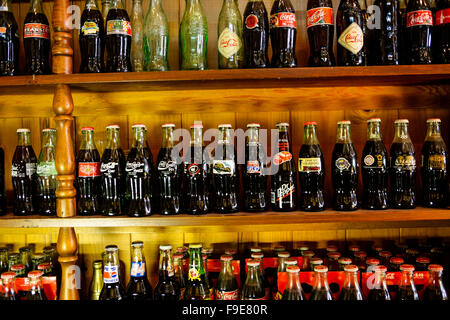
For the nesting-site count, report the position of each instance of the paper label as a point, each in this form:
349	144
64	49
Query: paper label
90	28
192	169
352	38
89	169
36	30
437	161
111	274
229	43
419	18
46	169
284	191
342	164
283	20
223	167
227	295
309	165
319	16
137	269
442	16
118	27
253	167
251	22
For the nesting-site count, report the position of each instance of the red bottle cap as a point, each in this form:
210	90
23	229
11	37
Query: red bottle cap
316	260
17	267
372	261
204	256
385	254
284	254
196	125
253	263
310	123
8	276
423	260
168	125
332	248
344	260
180	249
354	248
178	256
431	267
293	269
334	255
360	254
257	255
396	260
379	268
87	129
290	261
207	250
351	268
35	274
321	268
231	251
226	257
44	266
308	253
407	267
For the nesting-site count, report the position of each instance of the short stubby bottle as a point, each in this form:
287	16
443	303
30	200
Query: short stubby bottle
169	175
46	170
374	168
112	287
407	290
293	290
345	170
321	290
139	289
36	291
167	288
259	256
227	287
378	290
89	191
139	173
197	287
255	176
225	172
253	288
402	168
434	290
311	171
351	290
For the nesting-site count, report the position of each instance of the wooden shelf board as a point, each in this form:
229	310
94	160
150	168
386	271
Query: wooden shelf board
331	220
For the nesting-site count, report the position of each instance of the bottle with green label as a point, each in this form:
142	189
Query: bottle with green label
197	287
230	43
47	173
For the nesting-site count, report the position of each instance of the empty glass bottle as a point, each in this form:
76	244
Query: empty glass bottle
321	290
156	38
197	287
229	31
227	287
47	173
167	288
378	289
137	45
112	287
293	290
139	289
253	288
36	291
95	287
407	289
351	290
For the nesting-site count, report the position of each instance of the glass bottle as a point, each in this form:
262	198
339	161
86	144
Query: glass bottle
112	287
321	289
230	41
193	37
13	259
315	261
10	42
139	289
351	290
282	256
167	288
422	263
46	170
253	288
8	288
36	259
25	258
197	287
106	4
179	273
378	289
293	290
227	287
137	44
395	263
435	291
36	291
307	256
344	261
333	261
96	284
259	256
407	289
156	38
208	280
4	267
385	256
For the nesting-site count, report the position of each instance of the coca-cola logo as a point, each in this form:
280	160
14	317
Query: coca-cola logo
283	20
442	16
229	43
319	16
251	22
109	167
354	37
315	17
419	17
282	157
134	167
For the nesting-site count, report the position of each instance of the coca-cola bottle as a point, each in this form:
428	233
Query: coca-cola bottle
139	171
208	279
402	168
227	287
36	40
403	55
419	24
112	287
311	171
283	181
255	177
253	288
283	34
434	167
378	288
315	261
8	291
196	174
385	256
47	173
89	179
345	170
387	37
259	256
434	290
167	288
139	288
344	261
320	27
407	289
282	256
321	290
9	41
179	275
333	261
256	35
351	290
36	291
375	168
197	287
350	25
422	263
307	256
293	290
230	42
441	30
225	172
24	177
156	38
169	173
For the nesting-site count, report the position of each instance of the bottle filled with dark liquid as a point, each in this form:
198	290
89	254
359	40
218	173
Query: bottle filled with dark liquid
402	168
345	170
36	40
139	173
256	35
253	287
197	288
259	256
92	38
321	290
434	290
441	30
225	172
9	41
8	291
375	168
351	290
24	177
139	289
112	288
255	177
46	171
167	288
36	291
89	178
227	287
180	276
169	173
419	24
388	34
311	171
378	288
197	174
407	290
118	38
293	290
434	170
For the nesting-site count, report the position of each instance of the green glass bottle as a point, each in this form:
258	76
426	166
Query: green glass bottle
46	170
197	287
230	43
156	38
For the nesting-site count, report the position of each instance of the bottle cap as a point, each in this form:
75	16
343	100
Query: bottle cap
49	130
385	254
111	248
431	267
401	121
8	275
423	260
354	248
396	260
378	248
178	256
351	268
342	122
279	248
293	269
226	257
180	249
360	254
253	125
282	124
168	125
407	267
253	263
321	268
137	244
308	253
225	125
436	250
165	247
303	248
195	246
379	268
374	120
290	261
412	251
113	126
345	260
196	125
334	255
23	130
310	123
139	125
332	248
44	266
255	249
17	267
257	255
231	251
316	260
24	249
283	254
372	261
35	274
87	129
207	250
433	120
204	256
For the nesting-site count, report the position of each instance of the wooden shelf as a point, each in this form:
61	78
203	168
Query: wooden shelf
327	220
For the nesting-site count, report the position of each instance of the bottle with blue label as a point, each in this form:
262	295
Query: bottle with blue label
9	41
112	288
139	288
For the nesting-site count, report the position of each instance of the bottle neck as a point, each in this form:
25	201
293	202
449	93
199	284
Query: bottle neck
293	282
193	5
433	131
88	141
343	134
321	281
97	274
253	133
92	5
35	284
406	278
137	255
48	139
24	139
155	3
167	137
166	269
435	279
36	6
351	280
111	259
195	264
379	280
253	275
196	137
116	4
227	268
310	136
113	139
281	265
139	138
177	266
225	136
137	8
4	5
401	133
373	131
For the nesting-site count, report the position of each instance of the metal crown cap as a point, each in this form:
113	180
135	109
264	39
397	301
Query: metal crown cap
283	254
344	122
433	120
195	246
49	130
139	125
290	261
253	263
253	125
407	267
113	126
87	129
225	125
379	268
321	268
310	123
35	274
226	257
401	121
165	247
351	268
168	125
282	124
374	120
293	269
431	267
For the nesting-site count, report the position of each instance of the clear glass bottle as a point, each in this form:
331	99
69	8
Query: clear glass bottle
351	290
8	288
435	291
230	41
227	287
208	280
46	170
253	287
25	258
112	287
137	44
139	288
4	267
321	290
379	290
282	256
259	256
167	288
156	38
407	289
293	290
307	256
36	291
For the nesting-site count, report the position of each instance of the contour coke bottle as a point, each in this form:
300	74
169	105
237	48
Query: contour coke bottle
227	287
256	35
441	41
253	288
419	24
9	41
47	173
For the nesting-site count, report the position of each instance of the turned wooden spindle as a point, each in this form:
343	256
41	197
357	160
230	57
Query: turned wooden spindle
62	53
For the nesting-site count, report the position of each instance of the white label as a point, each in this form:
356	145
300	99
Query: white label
228	43
352	38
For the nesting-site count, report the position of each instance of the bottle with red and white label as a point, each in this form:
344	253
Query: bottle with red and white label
350	34
89	177
227	287
283	34
139	289
230	43
283	188
441	32
36	40
255	177
419	24
256	35
311	171
253	288
320	27
112	288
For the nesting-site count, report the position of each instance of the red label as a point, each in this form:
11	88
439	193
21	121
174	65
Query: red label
281	157
442	16
36	30
227	295
319	16
89	169
419	18
49	286
283	20
251	22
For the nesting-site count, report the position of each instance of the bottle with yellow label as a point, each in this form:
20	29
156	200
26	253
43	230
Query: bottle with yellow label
197	287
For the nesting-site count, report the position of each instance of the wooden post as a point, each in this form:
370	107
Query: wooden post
65	159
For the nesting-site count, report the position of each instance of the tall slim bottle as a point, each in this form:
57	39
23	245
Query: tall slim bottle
139	289
9	41
112	288
167	288
197	287
230	41
96	285
256	35
47	173
388	35
92	38
156	38
137	45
